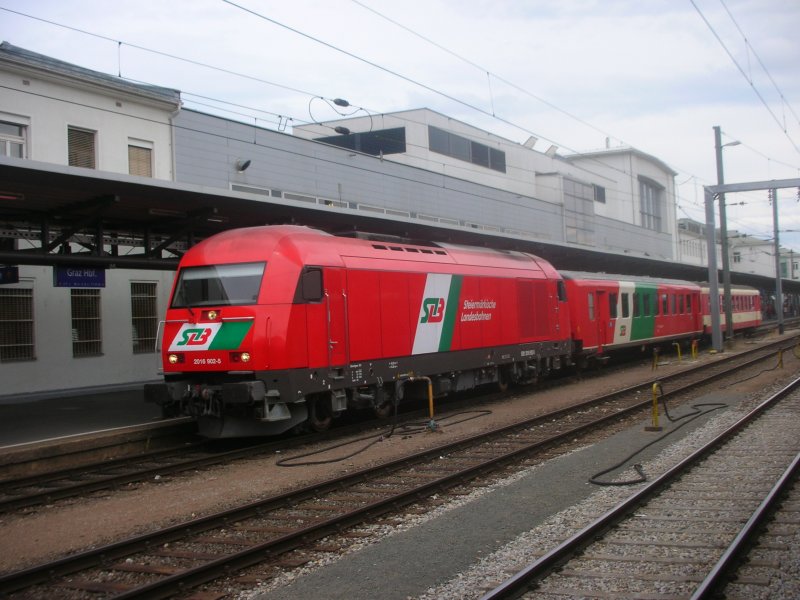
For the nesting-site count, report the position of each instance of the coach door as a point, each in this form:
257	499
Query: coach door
336	316
602	320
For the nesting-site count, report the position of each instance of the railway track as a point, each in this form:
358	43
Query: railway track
683	534
47	488
184	556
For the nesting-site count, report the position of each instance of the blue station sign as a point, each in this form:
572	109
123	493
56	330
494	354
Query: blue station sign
79	277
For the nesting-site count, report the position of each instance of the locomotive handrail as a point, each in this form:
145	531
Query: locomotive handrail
346	327
245	318
328	327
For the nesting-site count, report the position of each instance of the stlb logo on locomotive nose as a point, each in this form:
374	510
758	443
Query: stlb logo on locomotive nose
194	337
433	309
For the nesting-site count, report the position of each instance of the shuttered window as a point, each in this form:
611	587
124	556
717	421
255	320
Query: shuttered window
81	150
86	325
16	325
140	161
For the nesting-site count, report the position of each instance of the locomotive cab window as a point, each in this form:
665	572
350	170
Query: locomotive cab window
309	288
218	285
562	291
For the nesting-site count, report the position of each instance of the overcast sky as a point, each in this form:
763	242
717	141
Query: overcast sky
581	74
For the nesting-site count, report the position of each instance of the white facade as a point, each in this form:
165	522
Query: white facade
619	200
41	100
47	98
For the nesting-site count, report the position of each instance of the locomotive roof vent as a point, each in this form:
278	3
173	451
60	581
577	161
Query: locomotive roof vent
393	242
408	249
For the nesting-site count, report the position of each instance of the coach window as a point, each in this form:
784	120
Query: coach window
590	304
664	305
646	302
636	308
612	306
626	311
681	307
688	303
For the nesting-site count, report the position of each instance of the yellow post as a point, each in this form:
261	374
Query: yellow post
694	349
430	401
780	359
408	377
655	359
678	347
656	389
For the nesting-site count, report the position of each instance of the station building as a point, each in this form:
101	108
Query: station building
77	332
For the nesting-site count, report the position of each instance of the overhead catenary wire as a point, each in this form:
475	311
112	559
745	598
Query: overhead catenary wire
280	118
121	43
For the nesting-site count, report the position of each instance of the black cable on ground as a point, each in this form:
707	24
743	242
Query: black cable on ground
407	430
698	412
795	351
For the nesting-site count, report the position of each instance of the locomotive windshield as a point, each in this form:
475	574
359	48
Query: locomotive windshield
218	285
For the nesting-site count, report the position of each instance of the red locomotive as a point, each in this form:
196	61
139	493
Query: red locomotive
274	327
270	327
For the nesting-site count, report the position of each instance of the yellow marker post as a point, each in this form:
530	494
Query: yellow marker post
678	348
432	424
656	389
694	349
655	359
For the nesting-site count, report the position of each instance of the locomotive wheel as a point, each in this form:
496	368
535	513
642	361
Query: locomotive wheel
320	414
385	409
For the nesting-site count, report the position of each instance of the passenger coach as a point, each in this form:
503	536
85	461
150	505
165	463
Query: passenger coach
609	312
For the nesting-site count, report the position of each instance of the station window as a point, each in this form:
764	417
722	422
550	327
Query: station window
144	317
16	325
140	158
81	148
86	324
459	147
13	139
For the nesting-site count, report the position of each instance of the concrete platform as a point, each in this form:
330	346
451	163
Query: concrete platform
406	564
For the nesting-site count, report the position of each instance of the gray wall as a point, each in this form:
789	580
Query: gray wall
208	147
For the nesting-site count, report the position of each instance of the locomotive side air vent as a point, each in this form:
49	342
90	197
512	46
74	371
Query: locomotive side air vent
407	249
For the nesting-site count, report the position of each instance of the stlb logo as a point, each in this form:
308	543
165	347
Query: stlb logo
433	309
195	337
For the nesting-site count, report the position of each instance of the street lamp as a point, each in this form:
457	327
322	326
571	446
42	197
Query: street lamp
723	233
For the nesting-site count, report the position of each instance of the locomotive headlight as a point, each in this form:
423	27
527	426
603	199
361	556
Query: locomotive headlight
173	359
212	314
245	357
